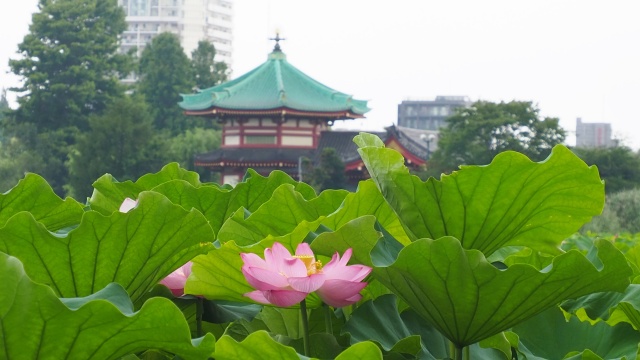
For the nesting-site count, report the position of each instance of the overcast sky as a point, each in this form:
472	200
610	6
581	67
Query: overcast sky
571	58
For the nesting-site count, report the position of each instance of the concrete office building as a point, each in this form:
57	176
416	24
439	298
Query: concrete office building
429	114
593	134
191	20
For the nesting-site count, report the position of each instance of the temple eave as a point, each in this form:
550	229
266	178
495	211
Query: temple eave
226	164
343	114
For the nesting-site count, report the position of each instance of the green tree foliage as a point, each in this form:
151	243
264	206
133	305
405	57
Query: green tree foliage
24	149
15	161
122	141
70	67
207	72
475	135
621	214
69	62
329	174
618	166
165	72
183	147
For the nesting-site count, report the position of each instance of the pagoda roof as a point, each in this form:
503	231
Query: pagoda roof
275	87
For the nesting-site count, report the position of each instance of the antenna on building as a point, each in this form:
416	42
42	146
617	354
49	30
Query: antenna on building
277	39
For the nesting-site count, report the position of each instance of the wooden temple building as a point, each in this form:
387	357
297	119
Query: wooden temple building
274	116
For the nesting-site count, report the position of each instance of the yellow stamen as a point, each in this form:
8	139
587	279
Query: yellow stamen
313	267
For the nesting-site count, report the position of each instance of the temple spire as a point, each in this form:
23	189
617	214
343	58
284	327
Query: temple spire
277	39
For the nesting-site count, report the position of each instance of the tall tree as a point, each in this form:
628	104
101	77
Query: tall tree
70	69
476	134
207	72
165	72
69	62
122	141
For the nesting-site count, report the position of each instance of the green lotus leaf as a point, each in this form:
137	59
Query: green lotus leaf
365	350
280	215
468	299
258	345
359	234
136	249
367	200
512	201
34	323
550	336
108	193
219	204
215	202
380	321
33	194
610	307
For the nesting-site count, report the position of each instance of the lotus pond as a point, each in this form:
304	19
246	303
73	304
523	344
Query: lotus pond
482	264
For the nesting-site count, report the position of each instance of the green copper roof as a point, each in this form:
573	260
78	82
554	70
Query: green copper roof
274	84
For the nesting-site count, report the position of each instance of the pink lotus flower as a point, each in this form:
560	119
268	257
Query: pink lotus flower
176	280
342	283
127	205
282	279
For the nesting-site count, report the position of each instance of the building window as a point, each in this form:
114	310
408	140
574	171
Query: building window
260	139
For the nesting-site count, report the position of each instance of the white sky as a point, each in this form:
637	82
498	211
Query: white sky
572	58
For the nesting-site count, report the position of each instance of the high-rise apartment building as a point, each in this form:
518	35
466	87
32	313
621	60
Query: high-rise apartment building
593	134
429	114
191	20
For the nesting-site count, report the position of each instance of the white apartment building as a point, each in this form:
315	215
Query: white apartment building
593	134
191	20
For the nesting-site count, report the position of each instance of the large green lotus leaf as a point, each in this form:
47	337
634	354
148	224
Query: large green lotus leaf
258	345
512	201
33	194
280	215
136	249
380	321
549	336
367	200
215	202
608	306
215	315
468	299
365	350
359	234
108	193
34	323
218	204
217	275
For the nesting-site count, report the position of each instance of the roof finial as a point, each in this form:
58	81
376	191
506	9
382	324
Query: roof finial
277	39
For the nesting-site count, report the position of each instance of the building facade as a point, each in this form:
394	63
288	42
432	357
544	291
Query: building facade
190	20
592	135
429	114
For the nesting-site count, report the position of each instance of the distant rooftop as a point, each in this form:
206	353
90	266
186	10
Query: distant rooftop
441	98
